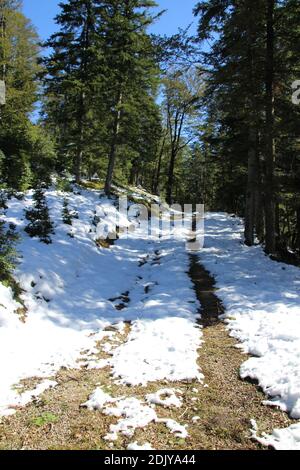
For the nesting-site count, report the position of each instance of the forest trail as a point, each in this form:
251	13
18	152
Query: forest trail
216	414
134	334
228	403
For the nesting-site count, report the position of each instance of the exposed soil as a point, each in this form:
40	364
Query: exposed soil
225	404
211	305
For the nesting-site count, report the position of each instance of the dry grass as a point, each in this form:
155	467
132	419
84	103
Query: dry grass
57	421
96	185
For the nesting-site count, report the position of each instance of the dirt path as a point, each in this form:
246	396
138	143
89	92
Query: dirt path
217	415
228	403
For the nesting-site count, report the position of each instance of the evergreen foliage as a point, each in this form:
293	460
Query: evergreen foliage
252	127
67	214
40	224
8	241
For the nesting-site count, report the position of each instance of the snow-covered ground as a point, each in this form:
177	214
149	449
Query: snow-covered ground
72	290
69	291
262	300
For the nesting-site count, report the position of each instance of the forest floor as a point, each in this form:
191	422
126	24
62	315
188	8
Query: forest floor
142	345
217	416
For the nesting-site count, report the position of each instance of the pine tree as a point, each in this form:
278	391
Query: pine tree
102	68
40	224
71	71
18	67
8	241
129	61
251	66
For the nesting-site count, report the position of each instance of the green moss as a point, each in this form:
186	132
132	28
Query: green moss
45	418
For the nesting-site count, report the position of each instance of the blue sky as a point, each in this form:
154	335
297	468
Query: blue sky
179	14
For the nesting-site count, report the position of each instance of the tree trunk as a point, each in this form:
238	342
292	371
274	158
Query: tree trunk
259	203
251	190
277	226
170	183
3	58
158	169
3	36
253	166
270	142
79	150
113	147
297	244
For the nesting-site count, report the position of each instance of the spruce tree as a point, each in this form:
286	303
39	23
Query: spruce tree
18	68
251	66
129	62
8	241
70	79
40	224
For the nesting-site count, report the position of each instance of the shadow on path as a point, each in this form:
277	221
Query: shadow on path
204	284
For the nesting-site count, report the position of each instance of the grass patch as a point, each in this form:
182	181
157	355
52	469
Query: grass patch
95	185
45	418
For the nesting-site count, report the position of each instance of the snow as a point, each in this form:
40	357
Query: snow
280	439
165	397
177	429
136	446
68	290
195	419
8	306
26	397
161	349
133	414
72	288
97	400
262	300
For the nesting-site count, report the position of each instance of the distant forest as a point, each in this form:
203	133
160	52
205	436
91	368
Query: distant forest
208	118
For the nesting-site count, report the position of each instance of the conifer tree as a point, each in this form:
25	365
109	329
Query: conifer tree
18	68
251	66
40	224
129	60
70	73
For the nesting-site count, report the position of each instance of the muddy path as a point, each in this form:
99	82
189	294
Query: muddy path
204	284
228	403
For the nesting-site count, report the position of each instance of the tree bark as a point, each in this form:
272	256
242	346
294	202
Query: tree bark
113	146
270	142
79	150
82	99
251	190
170	183
158	169
175	136
297	244
259	202
3	36
253	165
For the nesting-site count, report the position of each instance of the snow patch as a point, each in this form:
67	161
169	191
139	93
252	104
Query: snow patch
133	414
159	349
136	446
177	429
165	397
67	286
280	439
